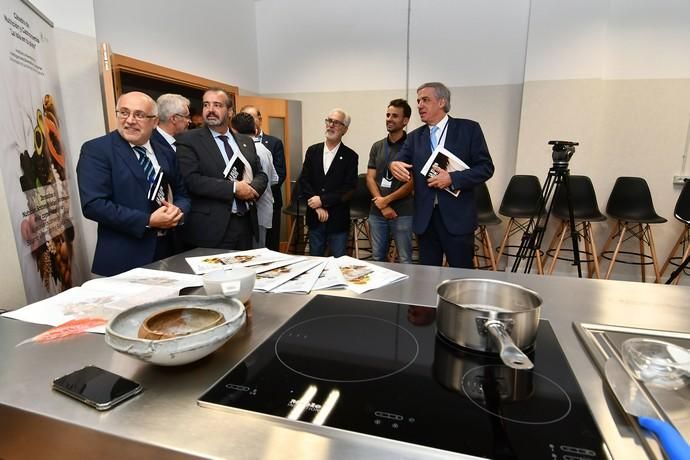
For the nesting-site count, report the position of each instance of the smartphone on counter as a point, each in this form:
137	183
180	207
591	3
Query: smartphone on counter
97	387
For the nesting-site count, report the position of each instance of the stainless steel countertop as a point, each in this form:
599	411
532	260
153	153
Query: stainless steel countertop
165	421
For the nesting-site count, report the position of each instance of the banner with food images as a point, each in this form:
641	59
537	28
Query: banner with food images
32	155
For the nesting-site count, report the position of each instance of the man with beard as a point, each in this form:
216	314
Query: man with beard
224	178
392	204
444	222
328	180
115	173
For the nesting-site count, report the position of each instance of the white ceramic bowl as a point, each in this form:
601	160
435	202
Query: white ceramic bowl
122	331
235	282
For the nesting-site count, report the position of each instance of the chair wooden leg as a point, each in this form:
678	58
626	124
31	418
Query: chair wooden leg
489	247
593	250
686	253
552	243
293	224
609	239
652	249
561	235
643	267
682	237
509	228
618	247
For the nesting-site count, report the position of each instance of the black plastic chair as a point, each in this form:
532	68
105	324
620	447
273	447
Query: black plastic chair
682	214
359	218
630	203
585	211
485	217
520	202
297	210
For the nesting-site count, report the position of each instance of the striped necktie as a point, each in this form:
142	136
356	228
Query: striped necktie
146	164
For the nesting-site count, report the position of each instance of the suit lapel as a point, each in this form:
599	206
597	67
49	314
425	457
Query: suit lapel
212	147
124	151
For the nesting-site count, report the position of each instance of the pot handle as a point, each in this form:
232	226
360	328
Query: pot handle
511	355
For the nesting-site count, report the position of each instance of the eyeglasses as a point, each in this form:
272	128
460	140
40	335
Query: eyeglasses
330	121
138	115
183	116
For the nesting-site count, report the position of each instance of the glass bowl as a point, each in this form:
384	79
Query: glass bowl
657	362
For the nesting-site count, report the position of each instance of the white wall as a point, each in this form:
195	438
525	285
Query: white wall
208	38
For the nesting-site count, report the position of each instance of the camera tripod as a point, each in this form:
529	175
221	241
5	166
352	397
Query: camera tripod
676	273
559	174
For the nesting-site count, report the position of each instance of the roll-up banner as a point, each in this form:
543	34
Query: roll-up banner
32	153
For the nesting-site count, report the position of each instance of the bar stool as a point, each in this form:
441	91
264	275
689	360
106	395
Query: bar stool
631	205
681	213
485	216
585	211
521	203
297	210
359	218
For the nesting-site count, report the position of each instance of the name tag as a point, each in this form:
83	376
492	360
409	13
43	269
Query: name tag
385	183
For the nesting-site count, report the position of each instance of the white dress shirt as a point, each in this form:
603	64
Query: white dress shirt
328	156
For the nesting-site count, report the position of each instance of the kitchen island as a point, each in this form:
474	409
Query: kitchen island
166	422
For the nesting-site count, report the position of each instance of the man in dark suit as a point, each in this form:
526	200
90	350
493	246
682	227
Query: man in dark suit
115	174
275	146
328	180
223	214
444	223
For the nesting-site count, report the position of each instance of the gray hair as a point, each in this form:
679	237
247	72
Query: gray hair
346	116
442	92
149	99
171	104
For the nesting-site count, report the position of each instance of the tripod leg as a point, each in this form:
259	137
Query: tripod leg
685	257
623	227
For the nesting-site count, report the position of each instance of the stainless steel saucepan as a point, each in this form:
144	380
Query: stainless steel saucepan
490	316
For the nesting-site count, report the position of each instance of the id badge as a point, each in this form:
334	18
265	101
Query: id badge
385	183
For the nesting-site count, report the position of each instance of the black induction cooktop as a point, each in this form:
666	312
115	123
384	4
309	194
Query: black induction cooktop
380	369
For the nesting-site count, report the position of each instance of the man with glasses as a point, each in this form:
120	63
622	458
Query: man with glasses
392	205
224	178
173	118
275	146
116	174
328	180
444	221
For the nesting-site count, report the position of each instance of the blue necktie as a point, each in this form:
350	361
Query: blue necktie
146	164
240	205
434	141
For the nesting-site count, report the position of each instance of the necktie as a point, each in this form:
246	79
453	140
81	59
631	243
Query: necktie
146	164
240	205
434	141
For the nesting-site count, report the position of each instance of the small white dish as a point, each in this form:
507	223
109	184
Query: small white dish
235	282
122	331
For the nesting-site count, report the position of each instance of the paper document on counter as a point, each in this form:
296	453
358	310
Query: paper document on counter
204	264
101	298
331	277
361	276
271	279
304	283
444	159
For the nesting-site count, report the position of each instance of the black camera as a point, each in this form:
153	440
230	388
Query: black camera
562	151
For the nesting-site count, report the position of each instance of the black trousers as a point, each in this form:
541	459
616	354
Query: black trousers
273	233
436	241
238	234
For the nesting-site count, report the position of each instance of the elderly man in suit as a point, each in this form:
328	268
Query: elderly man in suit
444	222
328	180
224	178
173	118
116	174
275	146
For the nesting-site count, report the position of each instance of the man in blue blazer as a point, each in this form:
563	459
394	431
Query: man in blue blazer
327	181
443	222
114	184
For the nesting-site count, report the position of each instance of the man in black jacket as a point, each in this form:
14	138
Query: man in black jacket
328	181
